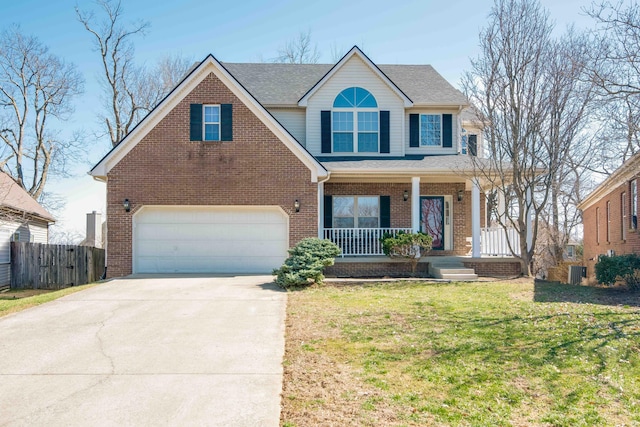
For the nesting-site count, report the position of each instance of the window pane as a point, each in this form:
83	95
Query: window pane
368	142
430	130
364	222
342	121
343	222
211	114
343	206
211	132
368	206
342	142
364	99
368	121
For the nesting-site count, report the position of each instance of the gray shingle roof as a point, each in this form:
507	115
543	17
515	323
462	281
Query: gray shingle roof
285	84
15	197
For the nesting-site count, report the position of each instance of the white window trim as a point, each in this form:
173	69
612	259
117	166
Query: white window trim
354	112
205	122
355	210
420	131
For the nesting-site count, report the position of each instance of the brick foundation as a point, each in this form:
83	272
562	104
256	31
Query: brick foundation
495	268
375	269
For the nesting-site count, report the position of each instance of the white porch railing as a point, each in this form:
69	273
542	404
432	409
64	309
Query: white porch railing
493	241
359	241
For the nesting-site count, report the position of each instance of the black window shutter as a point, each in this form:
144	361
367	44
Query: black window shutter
385	211
195	132
384	132
472	145
414	130
447	131
325	125
328	212
226	122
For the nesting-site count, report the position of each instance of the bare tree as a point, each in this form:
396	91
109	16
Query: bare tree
615	69
36	90
131	91
571	96
114	42
508	86
299	50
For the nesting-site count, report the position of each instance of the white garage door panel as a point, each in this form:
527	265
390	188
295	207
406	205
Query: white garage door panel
209	240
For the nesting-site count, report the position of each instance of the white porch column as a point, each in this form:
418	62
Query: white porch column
321	210
475	220
415	204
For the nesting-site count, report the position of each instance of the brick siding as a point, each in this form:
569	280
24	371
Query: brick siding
165	168
593	248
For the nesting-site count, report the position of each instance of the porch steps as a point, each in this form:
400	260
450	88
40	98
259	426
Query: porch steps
452	270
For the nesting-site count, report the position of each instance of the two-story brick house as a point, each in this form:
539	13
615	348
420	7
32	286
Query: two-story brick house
241	161
610	215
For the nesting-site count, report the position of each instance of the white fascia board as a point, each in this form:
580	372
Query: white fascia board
209	65
356	51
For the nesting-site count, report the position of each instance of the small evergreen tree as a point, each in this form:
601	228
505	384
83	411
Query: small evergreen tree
306	263
409	246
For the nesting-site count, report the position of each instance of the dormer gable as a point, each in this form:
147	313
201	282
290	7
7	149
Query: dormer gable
357	53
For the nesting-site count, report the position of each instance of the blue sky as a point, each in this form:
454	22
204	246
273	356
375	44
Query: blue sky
443	34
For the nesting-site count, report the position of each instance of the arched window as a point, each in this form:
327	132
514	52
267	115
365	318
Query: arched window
355	122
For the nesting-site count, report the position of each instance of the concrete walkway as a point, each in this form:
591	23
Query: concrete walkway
147	351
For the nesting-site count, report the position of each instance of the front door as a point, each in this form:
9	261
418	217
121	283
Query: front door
432	219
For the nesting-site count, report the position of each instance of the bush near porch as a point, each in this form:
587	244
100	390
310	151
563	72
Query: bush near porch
505	353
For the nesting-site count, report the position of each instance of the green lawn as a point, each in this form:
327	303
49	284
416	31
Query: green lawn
469	354
13	301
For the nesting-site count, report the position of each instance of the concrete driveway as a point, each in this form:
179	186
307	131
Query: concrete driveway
147	351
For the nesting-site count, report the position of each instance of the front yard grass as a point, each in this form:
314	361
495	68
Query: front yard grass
505	353
14	301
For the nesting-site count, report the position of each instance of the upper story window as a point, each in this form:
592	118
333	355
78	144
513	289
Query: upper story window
211	123
355	119
430	130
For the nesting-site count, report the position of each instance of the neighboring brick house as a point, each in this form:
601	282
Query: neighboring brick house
241	161
610	215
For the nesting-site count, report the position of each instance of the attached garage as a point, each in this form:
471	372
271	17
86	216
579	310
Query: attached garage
209	239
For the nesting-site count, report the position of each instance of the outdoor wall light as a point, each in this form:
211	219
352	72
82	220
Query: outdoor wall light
296	205
127	205
460	195
406	195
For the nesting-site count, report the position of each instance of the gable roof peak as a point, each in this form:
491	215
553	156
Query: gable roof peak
355	51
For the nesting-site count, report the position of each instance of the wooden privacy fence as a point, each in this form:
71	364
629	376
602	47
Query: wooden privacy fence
42	266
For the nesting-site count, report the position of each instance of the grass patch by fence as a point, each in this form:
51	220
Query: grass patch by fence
462	354
11	302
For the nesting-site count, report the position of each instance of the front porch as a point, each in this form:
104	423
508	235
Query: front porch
363	200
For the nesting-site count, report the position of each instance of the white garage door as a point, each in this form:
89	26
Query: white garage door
209	239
